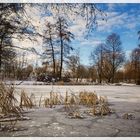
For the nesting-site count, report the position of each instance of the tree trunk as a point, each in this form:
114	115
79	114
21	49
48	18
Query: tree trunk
52	55
113	75
100	79
61	64
0	60
113	66
61	59
100	73
1	56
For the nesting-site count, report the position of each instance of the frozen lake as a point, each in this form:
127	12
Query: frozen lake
122	97
114	93
54	122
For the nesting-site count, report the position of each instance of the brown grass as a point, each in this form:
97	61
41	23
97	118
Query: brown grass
128	116
99	105
47	102
8	108
26	101
60	83
8	103
75	115
88	98
40	101
54	99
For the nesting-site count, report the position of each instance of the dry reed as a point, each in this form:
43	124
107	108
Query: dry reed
72	103
88	98
26	101
8	102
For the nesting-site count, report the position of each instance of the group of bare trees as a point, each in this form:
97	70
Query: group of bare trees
111	65
13	25
108	57
7	29
57	38
132	67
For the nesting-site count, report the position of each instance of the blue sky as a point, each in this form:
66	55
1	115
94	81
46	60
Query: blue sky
123	19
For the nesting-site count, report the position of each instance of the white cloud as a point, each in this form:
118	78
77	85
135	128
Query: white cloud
92	43
131	25
78	28
117	20
50	19
114	20
111	6
34	16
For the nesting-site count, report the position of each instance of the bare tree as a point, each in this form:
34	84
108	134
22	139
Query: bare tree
139	38
82	72
48	43
65	37
8	58
88	11
92	74
97	57
114	54
135	60
13	25
73	64
21	63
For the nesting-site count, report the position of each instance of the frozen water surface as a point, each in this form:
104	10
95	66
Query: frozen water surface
53	122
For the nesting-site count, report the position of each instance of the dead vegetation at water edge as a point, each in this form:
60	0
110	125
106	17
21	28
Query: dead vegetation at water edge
72	103
8	102
11	110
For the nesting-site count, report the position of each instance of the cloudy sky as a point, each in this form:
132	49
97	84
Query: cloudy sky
123	19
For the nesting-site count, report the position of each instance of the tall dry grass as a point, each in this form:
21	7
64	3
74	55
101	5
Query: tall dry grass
8	108
71	101
98	105
26	101
8	102
88	98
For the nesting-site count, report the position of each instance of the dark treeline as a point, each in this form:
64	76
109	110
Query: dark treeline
108	63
